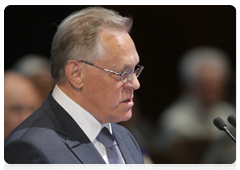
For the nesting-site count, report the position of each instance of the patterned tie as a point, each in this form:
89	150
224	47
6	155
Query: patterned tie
113	153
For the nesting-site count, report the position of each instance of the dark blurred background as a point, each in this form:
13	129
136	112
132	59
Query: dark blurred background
161	35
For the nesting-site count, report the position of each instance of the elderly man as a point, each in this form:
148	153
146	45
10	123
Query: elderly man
95	65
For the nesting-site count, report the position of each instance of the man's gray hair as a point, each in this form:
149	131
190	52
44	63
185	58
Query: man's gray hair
198	57
77	37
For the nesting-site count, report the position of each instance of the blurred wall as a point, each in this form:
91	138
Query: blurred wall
161	34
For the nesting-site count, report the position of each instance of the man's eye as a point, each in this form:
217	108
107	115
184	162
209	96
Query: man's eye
127	72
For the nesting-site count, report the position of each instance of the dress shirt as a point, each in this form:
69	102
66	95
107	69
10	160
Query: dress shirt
89	124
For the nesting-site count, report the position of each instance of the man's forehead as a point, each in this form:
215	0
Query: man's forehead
113	38
119	46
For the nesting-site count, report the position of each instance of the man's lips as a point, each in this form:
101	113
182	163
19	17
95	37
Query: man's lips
127	100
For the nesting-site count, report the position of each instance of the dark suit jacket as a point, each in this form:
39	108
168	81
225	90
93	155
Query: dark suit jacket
50	135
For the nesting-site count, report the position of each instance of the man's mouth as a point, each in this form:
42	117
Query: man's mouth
127	100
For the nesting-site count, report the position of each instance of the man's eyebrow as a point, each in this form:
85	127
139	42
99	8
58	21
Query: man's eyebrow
129	66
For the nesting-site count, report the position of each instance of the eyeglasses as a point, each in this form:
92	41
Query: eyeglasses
125	76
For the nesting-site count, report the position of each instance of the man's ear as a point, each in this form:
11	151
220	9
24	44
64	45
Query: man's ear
74	74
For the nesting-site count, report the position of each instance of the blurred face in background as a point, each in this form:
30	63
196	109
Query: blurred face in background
211	85
21	99
44	82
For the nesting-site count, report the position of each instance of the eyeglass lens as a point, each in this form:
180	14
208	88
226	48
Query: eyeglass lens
128	74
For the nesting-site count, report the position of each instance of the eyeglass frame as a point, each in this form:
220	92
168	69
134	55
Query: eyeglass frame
120	73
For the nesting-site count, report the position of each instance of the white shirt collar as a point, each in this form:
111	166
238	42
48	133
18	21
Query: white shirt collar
89	124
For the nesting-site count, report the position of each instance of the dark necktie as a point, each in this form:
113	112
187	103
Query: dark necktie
113	153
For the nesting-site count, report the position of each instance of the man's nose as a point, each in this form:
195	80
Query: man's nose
132	83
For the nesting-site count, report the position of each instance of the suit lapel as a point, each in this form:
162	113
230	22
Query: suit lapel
82	147
122	146
71	134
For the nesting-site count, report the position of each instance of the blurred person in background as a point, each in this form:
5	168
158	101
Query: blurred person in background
21	99
185	129
37	68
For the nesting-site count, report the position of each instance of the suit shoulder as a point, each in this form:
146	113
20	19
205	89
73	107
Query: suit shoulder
34	124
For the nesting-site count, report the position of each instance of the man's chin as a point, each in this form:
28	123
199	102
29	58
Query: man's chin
126	116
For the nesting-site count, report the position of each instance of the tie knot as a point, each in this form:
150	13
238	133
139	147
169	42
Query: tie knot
106	138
